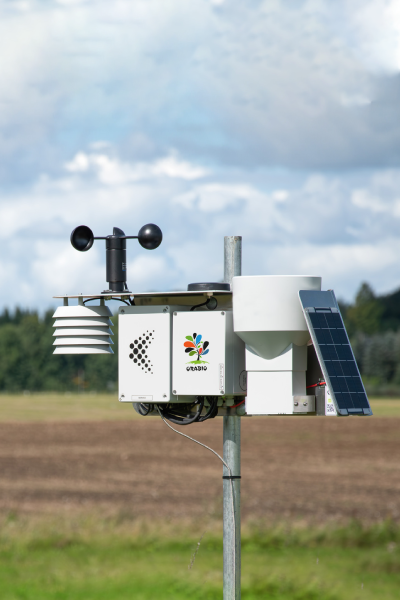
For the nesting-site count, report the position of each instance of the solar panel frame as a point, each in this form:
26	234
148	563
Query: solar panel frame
334	352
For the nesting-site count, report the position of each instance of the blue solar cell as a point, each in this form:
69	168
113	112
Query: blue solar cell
340	401
347	399
334	321
338	336
334	368
356	401
363	400
317	320
354	384
324	336
330	368
344	352
329	353
349	368
338	384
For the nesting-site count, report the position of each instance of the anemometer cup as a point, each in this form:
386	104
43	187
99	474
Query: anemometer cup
150	236
82	238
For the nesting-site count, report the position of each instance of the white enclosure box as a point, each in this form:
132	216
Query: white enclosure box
273	383
208	357
144	354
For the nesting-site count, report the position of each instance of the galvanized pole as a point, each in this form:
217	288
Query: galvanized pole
231	481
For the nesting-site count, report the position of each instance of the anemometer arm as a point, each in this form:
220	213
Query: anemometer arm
149	237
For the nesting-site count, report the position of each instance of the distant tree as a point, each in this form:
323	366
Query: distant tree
365	315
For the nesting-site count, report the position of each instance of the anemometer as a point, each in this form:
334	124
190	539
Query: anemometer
149	237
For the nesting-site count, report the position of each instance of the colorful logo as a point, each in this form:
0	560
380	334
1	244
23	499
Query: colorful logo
195	345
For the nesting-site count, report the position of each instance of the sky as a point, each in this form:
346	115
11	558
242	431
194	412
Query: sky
275	120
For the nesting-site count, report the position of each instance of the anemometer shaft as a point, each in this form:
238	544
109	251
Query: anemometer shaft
116	263
232	451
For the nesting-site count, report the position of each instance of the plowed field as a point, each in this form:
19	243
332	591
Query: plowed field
313	468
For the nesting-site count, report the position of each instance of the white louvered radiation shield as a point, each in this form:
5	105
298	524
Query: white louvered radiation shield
83	330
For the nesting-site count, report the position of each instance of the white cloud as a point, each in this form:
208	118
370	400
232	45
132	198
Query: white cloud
79	163
375	29
364	199
216	197
306	84
171	166
343	228
280	195
354	100
382	196
112	171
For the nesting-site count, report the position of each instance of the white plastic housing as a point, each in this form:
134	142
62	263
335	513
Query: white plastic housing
83	330
271	392
267	314
221	371
144	354
78	331
271	384
84	322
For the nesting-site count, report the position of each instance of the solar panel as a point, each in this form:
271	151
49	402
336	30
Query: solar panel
334	352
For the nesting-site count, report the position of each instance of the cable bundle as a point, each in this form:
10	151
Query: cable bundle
173	413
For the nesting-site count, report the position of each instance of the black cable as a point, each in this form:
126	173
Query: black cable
144	409
212	410
198	305
206	303
178	418
171	412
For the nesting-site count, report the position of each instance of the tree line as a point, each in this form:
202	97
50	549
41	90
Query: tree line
373	325
27	360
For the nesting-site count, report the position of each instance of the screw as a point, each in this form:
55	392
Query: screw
305	403
296	403
222	391
222	313
174	391
122	310
175	314
164	395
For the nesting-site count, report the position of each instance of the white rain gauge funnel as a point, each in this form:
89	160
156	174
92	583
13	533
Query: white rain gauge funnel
267	314
83	329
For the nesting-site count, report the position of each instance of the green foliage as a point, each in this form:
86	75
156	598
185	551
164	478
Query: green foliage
373	324
365	315
97	559
28	363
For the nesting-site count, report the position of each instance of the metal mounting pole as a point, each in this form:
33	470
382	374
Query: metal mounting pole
231	511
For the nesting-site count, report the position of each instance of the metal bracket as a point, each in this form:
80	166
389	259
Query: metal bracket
303	404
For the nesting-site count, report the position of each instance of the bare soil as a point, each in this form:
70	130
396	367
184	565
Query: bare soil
303	468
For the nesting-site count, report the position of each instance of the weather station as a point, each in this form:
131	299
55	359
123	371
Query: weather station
252	345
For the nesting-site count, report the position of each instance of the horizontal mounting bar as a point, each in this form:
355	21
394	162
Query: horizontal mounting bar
148	294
